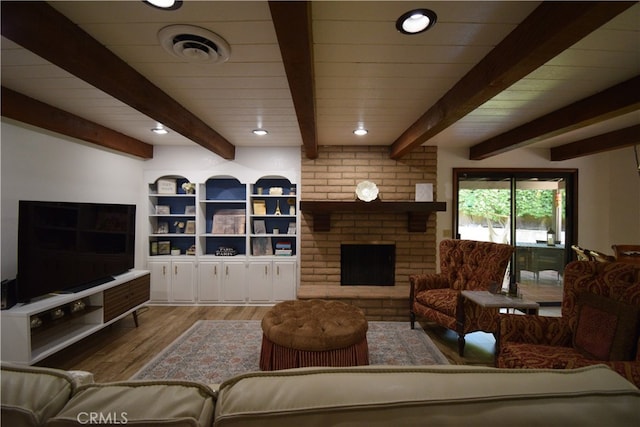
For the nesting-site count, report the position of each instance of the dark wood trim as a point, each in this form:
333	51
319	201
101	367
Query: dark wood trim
28	110
620	99
292	21
620	138
37	26
417	212
550	29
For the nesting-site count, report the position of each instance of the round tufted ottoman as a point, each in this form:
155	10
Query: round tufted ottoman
313	333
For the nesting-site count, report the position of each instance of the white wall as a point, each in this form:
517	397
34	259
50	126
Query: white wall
199	164
37	165
623	198
608	191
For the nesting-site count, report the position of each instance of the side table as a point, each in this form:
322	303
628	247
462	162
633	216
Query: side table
488	300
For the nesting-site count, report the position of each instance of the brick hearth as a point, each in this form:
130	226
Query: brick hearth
385	303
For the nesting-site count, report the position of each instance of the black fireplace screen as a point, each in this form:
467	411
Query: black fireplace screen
367	264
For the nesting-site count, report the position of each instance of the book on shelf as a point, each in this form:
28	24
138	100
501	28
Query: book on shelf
229	221
292	228
163	210
283	245
283	248
259	207
261	246
166	186
259	226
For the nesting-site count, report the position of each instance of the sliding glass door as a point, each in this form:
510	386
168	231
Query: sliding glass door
533	210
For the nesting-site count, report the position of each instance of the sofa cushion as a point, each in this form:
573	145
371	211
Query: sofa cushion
30	395
606	329
139	403
427	396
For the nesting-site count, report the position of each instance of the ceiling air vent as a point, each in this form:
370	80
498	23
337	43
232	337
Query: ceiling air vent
194	44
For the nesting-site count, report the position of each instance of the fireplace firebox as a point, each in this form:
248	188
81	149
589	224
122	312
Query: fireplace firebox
367	264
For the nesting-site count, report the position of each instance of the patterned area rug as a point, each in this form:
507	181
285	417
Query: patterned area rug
212	351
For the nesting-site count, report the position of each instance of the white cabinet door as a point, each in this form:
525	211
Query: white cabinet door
284	280
259	282
233	281
209	281
160	280
182	281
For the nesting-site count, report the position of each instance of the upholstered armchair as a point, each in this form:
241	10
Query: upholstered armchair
464	265
600	323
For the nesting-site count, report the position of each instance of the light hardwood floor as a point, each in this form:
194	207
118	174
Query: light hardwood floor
120	350
117	352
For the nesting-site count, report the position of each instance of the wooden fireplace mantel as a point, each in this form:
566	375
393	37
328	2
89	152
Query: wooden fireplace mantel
417	212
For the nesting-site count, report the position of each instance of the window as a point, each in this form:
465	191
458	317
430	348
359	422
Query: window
533	210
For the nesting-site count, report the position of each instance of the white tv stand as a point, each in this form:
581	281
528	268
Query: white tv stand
103	305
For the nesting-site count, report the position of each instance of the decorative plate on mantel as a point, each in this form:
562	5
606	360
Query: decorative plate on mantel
367	191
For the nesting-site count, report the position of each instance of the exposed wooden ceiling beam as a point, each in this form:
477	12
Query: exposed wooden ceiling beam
620	138
292	21
44	31
550	29
28	110
615	101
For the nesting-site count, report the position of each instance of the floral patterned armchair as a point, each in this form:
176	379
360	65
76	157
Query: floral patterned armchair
464	265
600	323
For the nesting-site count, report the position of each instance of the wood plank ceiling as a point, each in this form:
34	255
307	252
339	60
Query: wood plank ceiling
489	76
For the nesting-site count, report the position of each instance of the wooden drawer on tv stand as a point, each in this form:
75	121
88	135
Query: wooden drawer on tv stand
122	298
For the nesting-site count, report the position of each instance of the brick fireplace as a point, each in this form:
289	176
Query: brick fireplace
333	176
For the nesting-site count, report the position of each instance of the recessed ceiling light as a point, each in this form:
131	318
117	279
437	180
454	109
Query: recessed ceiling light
360	131
260	132
416	21
164	4
160	130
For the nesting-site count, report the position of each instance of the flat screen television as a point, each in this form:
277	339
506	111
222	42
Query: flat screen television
67	247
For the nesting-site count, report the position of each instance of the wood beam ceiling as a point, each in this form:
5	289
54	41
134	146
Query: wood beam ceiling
292	21
620	138
550	29
615	101
28	110
40	28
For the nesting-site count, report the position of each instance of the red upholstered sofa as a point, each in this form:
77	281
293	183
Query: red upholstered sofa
600	323
464	265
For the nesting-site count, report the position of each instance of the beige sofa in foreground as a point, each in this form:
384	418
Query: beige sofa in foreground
361	396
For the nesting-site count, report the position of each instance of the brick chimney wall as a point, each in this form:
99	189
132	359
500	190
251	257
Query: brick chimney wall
334	176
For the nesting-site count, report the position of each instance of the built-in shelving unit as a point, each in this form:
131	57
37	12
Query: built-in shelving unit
273	218
244	246
172	217
223	202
